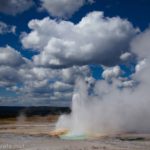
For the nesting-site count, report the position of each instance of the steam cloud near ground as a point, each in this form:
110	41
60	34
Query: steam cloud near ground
112	108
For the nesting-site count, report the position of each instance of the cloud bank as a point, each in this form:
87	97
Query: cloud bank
64	52
36	85
95	39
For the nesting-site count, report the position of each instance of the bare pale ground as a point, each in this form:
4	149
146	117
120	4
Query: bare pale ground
33	134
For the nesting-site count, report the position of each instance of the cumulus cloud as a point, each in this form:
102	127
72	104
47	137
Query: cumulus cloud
125	56
14	7
63	8
140	45
36	84
8	76
129	83
141	64
44	82
110	73
61	86
70	47
10	63
69	75
95	39
4	28
10	57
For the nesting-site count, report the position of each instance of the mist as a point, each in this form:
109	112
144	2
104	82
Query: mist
113	107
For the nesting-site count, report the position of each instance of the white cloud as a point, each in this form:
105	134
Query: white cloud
61	86
41	83
20	76
110	73
8	76
69	75
11	61
63	8
129	83
4	28
10	57
60	95
141	64
125	56
141	45
95	39
13	7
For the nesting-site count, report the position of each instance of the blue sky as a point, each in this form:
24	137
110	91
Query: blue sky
45	46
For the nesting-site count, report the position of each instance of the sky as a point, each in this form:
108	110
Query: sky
46	45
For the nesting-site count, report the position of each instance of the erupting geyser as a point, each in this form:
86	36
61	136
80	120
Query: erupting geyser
112	109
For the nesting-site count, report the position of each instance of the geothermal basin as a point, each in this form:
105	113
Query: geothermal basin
33	133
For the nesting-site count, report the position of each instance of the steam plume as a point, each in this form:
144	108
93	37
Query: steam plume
112	109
